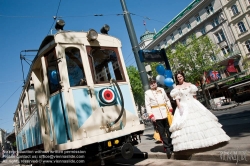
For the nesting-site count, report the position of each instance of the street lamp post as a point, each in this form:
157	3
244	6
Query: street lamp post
135	45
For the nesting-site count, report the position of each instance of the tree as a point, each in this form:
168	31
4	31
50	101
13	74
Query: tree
194	58
137	88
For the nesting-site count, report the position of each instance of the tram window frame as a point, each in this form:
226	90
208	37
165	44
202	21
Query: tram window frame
21	115
115	49
17	122
55	87
32	105
77	68
25	105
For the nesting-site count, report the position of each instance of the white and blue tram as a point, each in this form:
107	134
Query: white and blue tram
77	96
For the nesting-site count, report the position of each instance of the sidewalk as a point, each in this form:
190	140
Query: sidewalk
237	150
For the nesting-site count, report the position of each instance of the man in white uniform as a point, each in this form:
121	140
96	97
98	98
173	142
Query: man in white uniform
156	102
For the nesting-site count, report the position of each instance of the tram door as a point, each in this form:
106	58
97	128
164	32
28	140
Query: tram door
78	77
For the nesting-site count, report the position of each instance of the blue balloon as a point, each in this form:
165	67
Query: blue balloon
169	82
53	77
160	69
168	74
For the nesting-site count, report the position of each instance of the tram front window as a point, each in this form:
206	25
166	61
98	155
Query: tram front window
75	67
106	64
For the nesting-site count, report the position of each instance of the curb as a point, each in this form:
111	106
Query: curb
217	156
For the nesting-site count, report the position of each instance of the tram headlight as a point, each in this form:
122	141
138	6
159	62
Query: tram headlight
59	24
92	35
105	29
109	144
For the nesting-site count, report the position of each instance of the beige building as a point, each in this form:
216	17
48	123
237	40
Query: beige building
237	13
217	20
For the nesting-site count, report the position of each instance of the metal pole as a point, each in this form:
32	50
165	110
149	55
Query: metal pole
135	45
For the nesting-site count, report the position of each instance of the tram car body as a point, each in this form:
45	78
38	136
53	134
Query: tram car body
77	95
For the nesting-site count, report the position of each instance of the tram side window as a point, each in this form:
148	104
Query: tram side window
26	110
106	64
17	123
52	71
75	67
32	100
21	115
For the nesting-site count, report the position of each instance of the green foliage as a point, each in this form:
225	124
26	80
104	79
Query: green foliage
194	58
136	84
14	144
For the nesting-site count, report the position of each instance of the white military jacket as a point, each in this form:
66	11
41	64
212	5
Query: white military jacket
157	99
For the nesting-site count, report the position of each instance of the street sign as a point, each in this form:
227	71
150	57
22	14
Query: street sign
150	56
154	56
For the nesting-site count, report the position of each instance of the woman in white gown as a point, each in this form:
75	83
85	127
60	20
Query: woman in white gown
194	126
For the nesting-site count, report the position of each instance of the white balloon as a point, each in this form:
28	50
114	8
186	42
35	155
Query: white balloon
160	79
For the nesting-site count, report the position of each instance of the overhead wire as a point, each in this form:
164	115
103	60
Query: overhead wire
145	17
91	15
55	17
10	81
10	97
128	56
131	63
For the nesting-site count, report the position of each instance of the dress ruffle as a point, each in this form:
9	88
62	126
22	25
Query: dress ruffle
197	127
175	94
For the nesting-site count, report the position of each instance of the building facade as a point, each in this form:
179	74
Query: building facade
225	25
237	13
2	139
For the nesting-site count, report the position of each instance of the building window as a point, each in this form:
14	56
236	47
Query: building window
247	43
220	36
234	10
166	44
225	50
209	9
172	37
203	30
180	31
241	27
184	42
198	18
188	25
213	57
215	22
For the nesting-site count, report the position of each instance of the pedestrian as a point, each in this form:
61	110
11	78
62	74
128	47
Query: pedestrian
157	103
194	126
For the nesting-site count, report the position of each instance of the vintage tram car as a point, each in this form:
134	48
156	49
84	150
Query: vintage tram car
77	96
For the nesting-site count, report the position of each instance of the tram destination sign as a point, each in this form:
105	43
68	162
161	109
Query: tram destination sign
151	56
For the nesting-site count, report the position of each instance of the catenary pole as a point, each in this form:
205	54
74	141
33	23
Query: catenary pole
135	46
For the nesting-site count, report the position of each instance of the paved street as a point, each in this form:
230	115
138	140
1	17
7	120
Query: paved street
235	121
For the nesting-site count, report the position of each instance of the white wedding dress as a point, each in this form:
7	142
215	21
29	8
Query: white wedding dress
194	126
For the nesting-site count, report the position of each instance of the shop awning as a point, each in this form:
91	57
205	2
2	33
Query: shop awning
240	85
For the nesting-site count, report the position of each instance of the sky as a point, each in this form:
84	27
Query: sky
25	23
